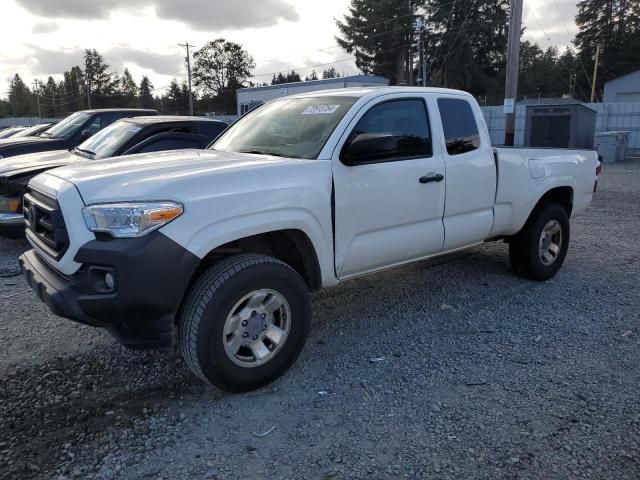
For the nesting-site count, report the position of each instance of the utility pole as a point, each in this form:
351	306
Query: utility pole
513	63
87	82
36	89
188	59
595	74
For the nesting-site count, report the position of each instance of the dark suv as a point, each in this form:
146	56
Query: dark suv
70	132
124	137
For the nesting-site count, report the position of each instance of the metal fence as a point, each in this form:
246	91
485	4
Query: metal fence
624	116
27	121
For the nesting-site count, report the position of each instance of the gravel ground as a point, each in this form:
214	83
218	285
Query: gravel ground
449	369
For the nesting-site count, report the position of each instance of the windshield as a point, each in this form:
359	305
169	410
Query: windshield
68	126
290	127
29	131
108	141
10	132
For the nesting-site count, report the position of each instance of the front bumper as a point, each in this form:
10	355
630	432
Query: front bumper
12	225
151	276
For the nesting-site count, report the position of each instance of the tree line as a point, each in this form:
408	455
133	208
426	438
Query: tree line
463	44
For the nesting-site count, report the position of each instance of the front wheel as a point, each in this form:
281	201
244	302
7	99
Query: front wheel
244	322
539	250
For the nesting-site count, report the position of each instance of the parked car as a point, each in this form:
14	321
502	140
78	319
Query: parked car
219	249
11	131
124	137
70	132
34	130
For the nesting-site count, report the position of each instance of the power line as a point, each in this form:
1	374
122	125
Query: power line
549	39
567	30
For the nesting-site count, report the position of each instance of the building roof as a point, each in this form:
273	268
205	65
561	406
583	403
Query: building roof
635	71
325	81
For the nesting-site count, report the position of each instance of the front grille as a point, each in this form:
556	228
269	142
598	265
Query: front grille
45	225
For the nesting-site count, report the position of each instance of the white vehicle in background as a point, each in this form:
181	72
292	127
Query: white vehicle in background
219	248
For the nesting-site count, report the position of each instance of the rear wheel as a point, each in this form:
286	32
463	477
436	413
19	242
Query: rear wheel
539	250
244	322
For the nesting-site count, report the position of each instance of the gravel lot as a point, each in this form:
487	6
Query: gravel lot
453	370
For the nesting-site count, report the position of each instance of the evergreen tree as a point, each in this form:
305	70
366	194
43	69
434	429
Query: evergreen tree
312	76
330	73
20	98
50	99
145	93
128	90
73	96
173	100
615	26
380	33
465	44
290	77
97	78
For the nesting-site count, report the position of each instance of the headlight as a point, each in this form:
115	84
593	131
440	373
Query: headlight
9	204
130	220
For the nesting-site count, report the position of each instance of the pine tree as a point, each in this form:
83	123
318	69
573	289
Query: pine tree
50	99
312	76
380	34
128	90
330	73
145	93
20	98
73	97
465	44
101	85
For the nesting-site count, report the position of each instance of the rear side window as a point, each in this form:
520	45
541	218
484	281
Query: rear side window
211	129
405	120
170	144
459	124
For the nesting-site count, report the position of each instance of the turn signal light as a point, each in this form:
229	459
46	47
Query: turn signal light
598	170
165	215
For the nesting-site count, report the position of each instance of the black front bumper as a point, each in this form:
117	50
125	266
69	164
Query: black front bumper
151	275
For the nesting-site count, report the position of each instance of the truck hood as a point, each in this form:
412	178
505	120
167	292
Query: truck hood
170	175
10	147
6	143
34	163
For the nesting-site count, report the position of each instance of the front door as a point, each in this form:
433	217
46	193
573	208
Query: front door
389	210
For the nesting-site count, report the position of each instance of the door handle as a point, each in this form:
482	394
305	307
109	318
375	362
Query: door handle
432	177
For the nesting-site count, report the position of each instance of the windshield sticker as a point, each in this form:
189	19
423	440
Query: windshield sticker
320	109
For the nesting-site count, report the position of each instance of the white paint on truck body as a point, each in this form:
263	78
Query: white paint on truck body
383	215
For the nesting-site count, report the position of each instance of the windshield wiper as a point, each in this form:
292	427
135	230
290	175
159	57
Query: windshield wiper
260	152
86	153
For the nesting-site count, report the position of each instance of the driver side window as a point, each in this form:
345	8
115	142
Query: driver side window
405	120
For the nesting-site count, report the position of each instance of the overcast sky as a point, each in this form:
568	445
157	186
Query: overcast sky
39	38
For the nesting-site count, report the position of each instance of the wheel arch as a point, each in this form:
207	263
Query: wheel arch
291	246
561	195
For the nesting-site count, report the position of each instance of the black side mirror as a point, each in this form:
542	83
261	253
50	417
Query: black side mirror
369	148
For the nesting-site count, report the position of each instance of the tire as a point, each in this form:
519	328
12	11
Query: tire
527	247
228	291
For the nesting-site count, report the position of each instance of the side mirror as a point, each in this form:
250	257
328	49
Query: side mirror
369	148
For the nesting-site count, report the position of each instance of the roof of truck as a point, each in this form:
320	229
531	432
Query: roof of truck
377	91
168	119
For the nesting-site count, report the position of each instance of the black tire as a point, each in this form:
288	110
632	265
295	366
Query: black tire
524	247
211	299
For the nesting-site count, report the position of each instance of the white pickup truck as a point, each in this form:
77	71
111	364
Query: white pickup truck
219	248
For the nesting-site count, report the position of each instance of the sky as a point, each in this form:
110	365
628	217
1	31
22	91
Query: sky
39	38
